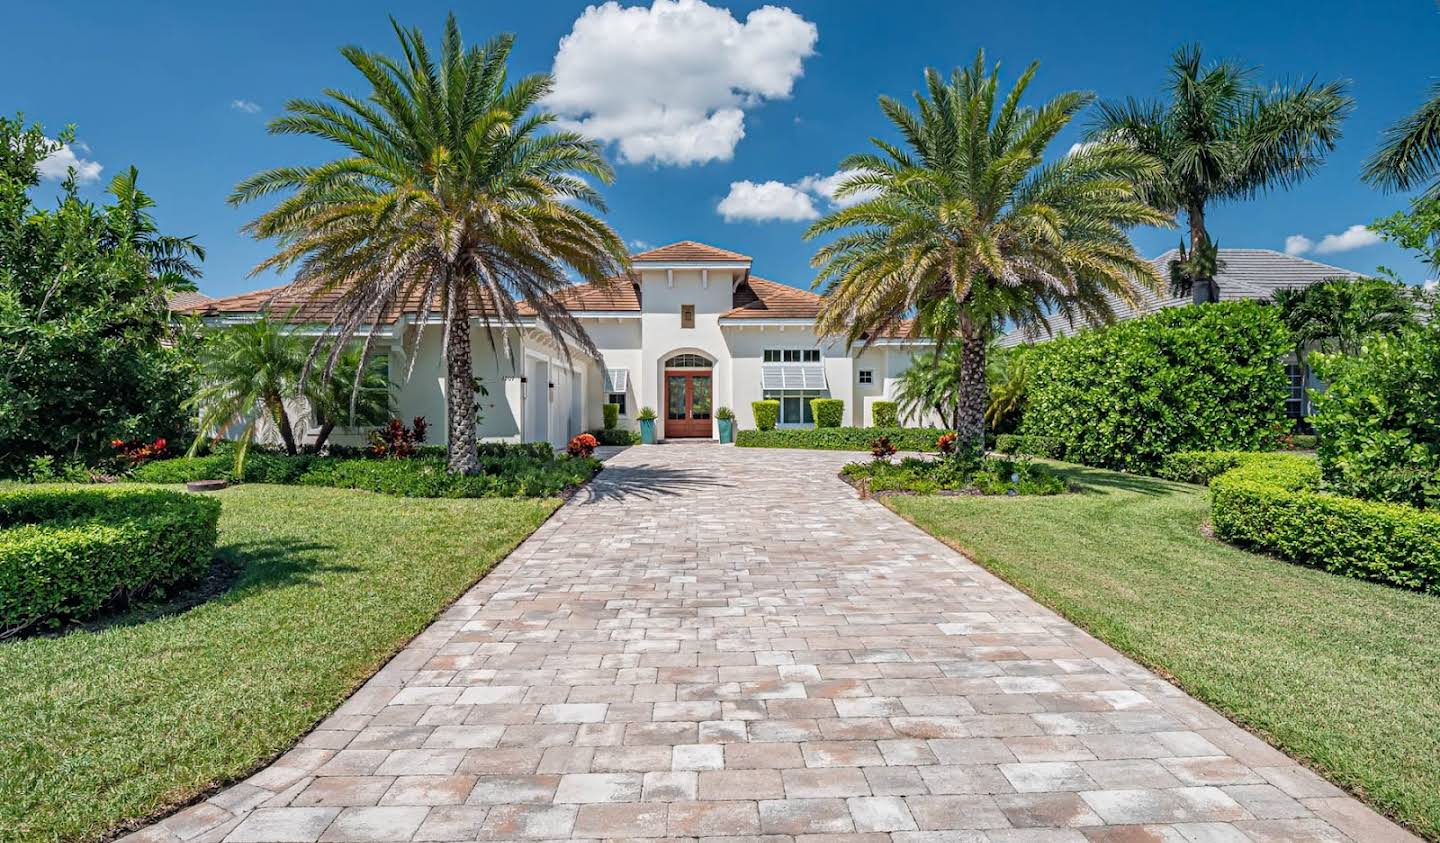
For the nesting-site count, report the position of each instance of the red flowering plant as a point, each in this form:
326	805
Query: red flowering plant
582	445
395	441
139	452
946	444
882	448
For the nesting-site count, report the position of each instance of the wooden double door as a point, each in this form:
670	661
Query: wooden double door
689	403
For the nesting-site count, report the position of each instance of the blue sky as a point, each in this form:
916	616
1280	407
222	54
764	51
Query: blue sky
183	91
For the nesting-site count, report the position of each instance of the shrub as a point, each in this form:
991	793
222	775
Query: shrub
1047	447
618	436
65	554
828	412
840	438
1377	421
395	441
1303	441
260	467
884	414
1203	466
987	476
724	414
426	477
502	450
581	445
881	448
612	415
767	413
1272	504
1183	379
646	414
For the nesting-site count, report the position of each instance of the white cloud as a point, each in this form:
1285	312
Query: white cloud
825	186
1432	285
1298	244
1080	147
771	200
56	166
246	106
639	245
670	83
1354	237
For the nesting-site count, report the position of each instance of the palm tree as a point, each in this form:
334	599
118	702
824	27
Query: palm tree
452	197
358	393
931	384
1220	137
172	259
246	373
967	228
1339	314
1411	151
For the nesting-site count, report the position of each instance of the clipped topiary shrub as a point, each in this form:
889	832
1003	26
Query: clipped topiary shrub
828	412
1203	466
840	438
884	414
1202	378
425	477
66	554
611	413
1272	504
767	413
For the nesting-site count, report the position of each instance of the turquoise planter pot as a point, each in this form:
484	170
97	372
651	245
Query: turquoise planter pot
727	430
647	431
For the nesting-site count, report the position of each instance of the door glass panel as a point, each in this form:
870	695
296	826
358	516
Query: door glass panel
675	397
700	397
805	411
790	410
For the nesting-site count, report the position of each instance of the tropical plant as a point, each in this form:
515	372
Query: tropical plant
172	259
931	385
247	371
968	228
1008	374
454	197
1416	229
357	393
1338	314
1410	154
1221	137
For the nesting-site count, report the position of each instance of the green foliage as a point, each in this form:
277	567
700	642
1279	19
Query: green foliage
1047	447
612	415
931	385
65	554
724	414
1339	314
1274	505
767	413
83	318
828	412
840	438
646	414
884	414
1417	229
1303	441
617	436
1203	466
1184	379
987	476
1008	375
1377	421
259	467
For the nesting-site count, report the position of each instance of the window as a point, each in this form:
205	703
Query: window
617	398
687	315
1295	400
792	355
687	361
867	376
795	405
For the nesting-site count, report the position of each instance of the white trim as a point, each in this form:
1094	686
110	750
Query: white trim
673	265
760	323
605	314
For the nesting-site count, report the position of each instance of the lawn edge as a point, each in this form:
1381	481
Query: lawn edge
140	823
1164	673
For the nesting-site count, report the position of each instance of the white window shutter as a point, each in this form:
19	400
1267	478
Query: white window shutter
617	380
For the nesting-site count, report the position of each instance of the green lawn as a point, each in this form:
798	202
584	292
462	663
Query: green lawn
102	728
1340	673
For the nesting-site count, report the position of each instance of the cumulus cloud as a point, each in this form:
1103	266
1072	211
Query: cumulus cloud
670	84
1298	244
793	202
57	165
1080	147
246	106
1352	238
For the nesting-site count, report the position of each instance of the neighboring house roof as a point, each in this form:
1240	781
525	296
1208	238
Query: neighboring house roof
300	306
1244	274
183	302
688	250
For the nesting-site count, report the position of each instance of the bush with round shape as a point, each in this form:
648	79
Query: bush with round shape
581	445
67	554
827	412
767	414
884	414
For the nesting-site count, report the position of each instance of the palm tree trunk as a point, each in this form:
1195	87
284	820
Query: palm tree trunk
973	391
460	391
1195	215
323	436
282	421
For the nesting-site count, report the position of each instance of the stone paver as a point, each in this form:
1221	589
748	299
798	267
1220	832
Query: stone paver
710	642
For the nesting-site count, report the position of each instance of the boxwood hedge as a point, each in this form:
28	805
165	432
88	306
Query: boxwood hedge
1032	446
1210	377
828	412
1203	466
885	414
840	438
66	554
1272	503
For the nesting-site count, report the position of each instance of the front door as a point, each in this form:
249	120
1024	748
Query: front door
688	400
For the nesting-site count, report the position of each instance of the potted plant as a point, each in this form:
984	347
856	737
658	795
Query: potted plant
647	425
726	417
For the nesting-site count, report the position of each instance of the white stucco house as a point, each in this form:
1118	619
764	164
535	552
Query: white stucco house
691	330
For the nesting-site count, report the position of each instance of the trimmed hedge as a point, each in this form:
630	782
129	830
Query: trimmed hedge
1203	466
884	414
828	412
616	436
611	414
260	467
66	554
767	413
926	476
840	438
1046	447
1184	379
1271	503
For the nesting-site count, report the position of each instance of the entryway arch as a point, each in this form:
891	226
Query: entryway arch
687	394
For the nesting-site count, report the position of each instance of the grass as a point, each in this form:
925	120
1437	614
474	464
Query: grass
1340	673
105	727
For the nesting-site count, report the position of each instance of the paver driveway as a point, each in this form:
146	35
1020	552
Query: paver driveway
720	642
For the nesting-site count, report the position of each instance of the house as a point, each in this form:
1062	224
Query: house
690	330
1244	274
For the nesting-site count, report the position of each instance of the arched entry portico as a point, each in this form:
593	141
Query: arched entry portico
687	385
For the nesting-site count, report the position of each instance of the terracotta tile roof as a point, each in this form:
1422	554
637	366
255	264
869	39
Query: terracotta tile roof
296	306
689	250
617	294
182	302
758	298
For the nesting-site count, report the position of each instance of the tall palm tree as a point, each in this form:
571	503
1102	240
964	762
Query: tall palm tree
246	373
1221	137
172	259
966	228
1410	154
454	197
